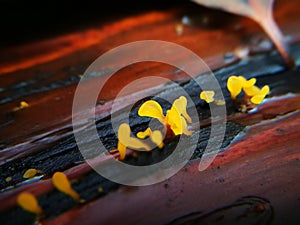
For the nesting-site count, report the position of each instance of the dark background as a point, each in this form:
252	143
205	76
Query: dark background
23	21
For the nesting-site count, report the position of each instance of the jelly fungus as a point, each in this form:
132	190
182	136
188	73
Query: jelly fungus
176	118
30	173
126	141
207	96
260	95
155	136
61	182
236	84
29	203
23	105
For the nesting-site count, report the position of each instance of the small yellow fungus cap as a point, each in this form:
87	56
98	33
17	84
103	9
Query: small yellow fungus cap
245	82
152	109
155	136
180	105
184	127
173	119
23	105
126	141
144	134
251	91
220	102
29	203
30	173
235	84
260	96
122	150
61	182
207	96
177	122
177	117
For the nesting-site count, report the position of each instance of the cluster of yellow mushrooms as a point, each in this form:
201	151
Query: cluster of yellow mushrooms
175	120
60	181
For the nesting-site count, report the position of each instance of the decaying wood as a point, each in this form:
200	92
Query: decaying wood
259	161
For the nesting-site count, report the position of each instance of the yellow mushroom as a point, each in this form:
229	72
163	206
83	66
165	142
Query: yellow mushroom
155	136
207	96
176	118
260	96
125	140
245	82
220	102
122	150
30	173
152	109
251	91
61	182
180	105
144	134
177	122
235	84
29	203
23	105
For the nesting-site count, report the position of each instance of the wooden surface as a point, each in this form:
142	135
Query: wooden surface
262	161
